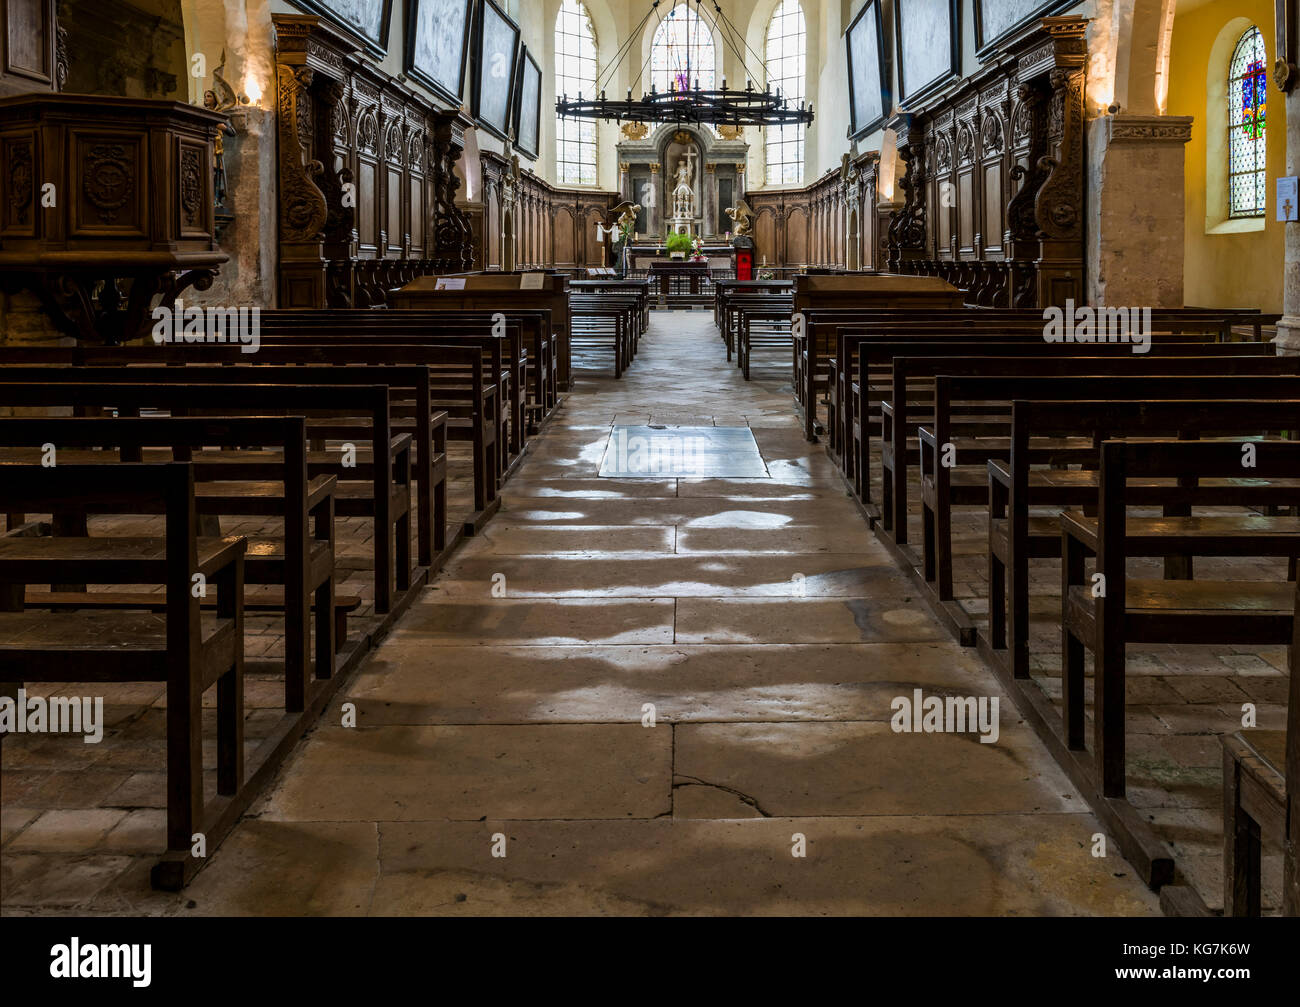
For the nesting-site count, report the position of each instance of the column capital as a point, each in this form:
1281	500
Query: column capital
1124	128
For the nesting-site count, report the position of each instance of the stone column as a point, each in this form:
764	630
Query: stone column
625	183
652	211
1288	328
709	227
1136	243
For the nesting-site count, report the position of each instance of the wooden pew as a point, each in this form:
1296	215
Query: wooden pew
776	307
362	413
188	649
986	401
299	562
639	289
601	323
983	328
965	479
860	409
1261	790
439	328
403	370
1129	610
502	292
766	327
823	316
1015	537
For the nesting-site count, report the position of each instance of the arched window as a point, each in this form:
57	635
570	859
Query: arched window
575	74
786	64
681	54
1247	94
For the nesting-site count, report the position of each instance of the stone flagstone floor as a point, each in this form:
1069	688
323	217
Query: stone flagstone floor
769	632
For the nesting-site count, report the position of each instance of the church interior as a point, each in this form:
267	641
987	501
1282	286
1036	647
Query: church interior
649	458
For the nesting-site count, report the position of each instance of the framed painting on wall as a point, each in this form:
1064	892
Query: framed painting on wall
496	61
995	20
528	107
868	80
365	20
437	44
928	47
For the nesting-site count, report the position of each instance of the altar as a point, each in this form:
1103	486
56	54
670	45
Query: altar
683	178
662	272
719	257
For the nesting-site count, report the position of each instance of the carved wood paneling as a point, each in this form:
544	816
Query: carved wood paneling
993	187
811	227
371	196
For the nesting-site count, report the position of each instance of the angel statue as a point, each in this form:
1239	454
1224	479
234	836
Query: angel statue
626	220
740	215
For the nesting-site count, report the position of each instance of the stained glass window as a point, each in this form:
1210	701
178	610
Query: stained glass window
575	74
1247	94
681	54
786	63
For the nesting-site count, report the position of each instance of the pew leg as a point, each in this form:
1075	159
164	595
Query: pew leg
997	603
329	636
70	525
1108	709
230	687
927	543
942	518
440	491
1018	608
383	544
402	536
899	507
887	498
1241	847
184	754
1072	653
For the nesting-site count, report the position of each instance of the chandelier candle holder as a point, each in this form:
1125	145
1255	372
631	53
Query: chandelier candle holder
686	103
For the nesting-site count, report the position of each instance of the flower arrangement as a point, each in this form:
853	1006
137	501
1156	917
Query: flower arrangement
766	274
678	244
697	249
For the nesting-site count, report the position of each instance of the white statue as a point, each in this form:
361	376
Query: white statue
684	191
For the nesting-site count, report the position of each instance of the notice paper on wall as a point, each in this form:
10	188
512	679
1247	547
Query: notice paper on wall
531	281
450	283
1288	198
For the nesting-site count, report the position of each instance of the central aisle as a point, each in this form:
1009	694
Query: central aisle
769	632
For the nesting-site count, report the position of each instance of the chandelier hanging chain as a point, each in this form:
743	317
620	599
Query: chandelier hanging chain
716	106
623	50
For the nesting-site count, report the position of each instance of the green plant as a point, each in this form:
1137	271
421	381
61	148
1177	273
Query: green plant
678	243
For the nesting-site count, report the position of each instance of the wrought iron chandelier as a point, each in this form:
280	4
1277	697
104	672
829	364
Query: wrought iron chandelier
689	103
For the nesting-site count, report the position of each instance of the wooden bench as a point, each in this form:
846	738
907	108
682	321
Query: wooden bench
604	324
824	316
359	413
1014	487
860	409
1188	612
187	648
981	331
1256	804
274	484
404	371
441	328
499	292
972	397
